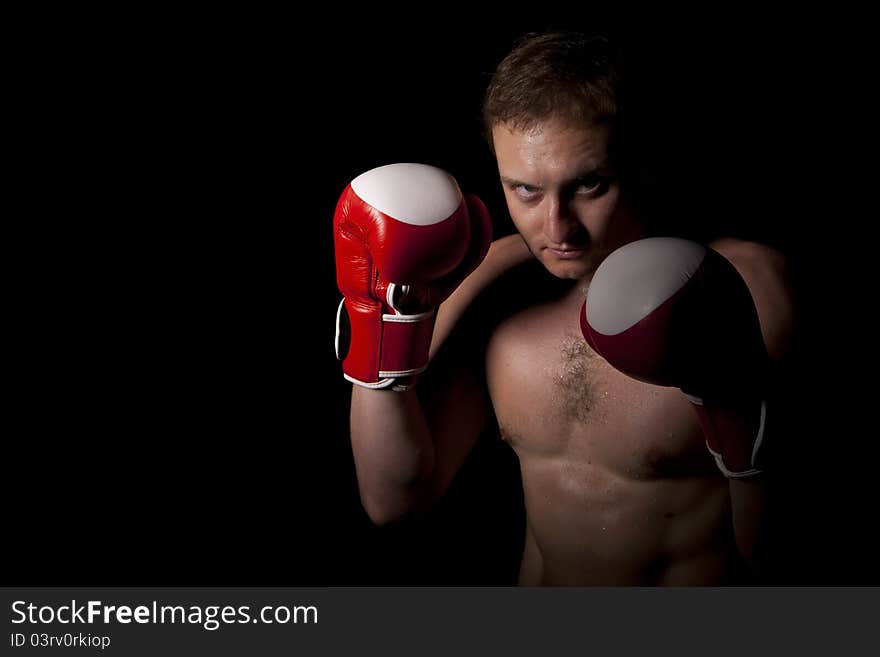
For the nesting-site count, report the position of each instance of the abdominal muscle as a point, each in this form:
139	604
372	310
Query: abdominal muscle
588	526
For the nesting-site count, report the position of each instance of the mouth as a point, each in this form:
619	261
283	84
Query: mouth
568	253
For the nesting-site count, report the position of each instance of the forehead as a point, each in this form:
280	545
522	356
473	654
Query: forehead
550	149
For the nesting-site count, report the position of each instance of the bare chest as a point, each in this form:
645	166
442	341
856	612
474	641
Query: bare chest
554	397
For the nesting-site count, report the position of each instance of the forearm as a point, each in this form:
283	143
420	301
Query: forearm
393	451
747	498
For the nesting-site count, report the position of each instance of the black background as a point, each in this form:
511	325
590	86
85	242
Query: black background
176	412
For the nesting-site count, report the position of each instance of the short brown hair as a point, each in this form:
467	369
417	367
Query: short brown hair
564	75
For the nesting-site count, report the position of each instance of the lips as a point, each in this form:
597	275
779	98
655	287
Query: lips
567	254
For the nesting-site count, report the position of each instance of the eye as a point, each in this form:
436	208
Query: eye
590	185
526	192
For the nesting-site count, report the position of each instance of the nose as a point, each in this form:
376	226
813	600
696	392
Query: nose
560	223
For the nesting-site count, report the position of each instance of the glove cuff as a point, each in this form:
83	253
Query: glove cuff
378	349
731	437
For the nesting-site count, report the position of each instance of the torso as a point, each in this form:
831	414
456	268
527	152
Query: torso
619	487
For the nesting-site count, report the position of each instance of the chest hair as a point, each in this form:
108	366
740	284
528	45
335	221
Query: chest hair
575	385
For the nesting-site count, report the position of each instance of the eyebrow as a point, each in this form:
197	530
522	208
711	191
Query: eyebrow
578	178
514	182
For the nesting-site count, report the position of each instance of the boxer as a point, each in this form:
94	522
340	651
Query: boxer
631	372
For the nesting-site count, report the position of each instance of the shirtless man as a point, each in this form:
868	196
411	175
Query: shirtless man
619	486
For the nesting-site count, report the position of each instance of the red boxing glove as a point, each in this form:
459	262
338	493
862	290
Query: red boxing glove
673	312
405	238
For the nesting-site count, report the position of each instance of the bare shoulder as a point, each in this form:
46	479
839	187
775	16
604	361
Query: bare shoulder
504	254
767	274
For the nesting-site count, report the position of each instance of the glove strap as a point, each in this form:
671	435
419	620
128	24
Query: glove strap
379	350
406	340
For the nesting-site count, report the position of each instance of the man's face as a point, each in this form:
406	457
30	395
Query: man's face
563	194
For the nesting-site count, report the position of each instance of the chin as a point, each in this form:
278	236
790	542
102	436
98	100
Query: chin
571	270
